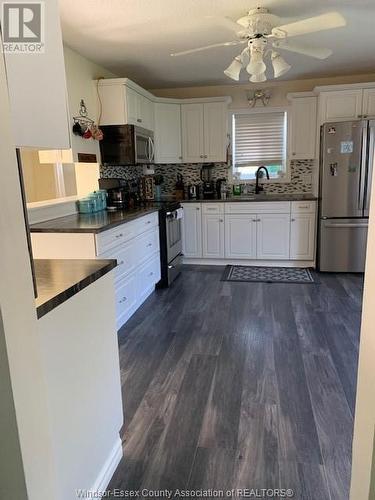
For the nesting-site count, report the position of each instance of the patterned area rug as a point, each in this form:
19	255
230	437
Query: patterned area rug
268	274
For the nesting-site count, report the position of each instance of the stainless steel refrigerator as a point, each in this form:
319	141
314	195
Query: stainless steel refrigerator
346	164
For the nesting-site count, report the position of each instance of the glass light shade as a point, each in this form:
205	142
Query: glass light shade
280	66
256	65
234	69
258	78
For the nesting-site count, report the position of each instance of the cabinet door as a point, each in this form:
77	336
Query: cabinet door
213	236
303	128
240	236
132	105
192	133
302	236
37	89
273	232
146	113
341	105
192	230
168	133
215	131
368	109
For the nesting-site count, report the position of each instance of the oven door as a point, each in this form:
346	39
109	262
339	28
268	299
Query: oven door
174	238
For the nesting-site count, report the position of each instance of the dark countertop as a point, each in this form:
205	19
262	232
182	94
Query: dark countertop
260	197
90	223
58	280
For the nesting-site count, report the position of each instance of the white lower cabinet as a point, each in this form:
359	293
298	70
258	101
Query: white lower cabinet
192	231
264	231
213	235
302	236
273	234
240	236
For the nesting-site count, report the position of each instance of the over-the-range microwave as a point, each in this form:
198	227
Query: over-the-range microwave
126	145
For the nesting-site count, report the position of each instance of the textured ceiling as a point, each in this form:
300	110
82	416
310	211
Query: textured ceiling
134	38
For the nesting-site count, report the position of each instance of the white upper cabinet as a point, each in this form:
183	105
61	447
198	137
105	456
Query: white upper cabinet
122	104
215	131
192	119
167	133
37	90
204	132
273	232
139	110
368	108
302	134
340	105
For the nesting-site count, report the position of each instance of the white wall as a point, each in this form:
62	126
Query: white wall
279	89
365	407
81	365
80	73
19	332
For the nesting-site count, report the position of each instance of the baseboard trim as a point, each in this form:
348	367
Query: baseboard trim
109	467
248	262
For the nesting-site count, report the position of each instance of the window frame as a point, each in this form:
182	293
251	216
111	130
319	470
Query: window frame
245	111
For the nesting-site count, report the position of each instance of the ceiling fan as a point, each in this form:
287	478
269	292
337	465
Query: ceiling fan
262	33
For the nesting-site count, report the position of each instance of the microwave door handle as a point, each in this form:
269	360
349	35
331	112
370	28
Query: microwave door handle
152	155
149	149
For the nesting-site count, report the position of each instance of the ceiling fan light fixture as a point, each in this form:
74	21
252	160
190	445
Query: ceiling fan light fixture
234	69
280	66
256	64
258	78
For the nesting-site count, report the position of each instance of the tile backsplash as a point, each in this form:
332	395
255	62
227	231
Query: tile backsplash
300	176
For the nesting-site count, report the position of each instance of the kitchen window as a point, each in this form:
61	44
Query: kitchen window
259	138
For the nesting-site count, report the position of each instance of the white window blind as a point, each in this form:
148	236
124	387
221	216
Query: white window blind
259	139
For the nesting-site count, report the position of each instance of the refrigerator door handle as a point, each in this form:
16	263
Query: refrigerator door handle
362	181
370	165
346	224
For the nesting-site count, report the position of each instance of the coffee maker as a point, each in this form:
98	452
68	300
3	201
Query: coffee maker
208	185
121	194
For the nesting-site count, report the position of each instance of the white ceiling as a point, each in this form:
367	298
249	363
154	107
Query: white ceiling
134	38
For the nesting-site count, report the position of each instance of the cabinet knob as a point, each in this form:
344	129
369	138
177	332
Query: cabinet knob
180	157
359	116
221	220
292	220
202	156
365	116
139	120
205	156
124	299
294	154
197	208
254	220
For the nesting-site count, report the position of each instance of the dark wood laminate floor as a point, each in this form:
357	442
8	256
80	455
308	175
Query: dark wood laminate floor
241	385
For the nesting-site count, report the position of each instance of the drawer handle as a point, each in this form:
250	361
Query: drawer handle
119	235
210	208
148	222
149	245
121	263
124	299
303	206
151	273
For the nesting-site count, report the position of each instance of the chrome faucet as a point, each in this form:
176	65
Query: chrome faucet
258	188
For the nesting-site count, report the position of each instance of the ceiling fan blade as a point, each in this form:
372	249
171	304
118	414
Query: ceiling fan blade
318	53
310	25
207	47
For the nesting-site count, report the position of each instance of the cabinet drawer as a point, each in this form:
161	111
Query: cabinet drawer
258	207
126	256
147	244
114	237
213	208
147	222
148	276
306	207
126	298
